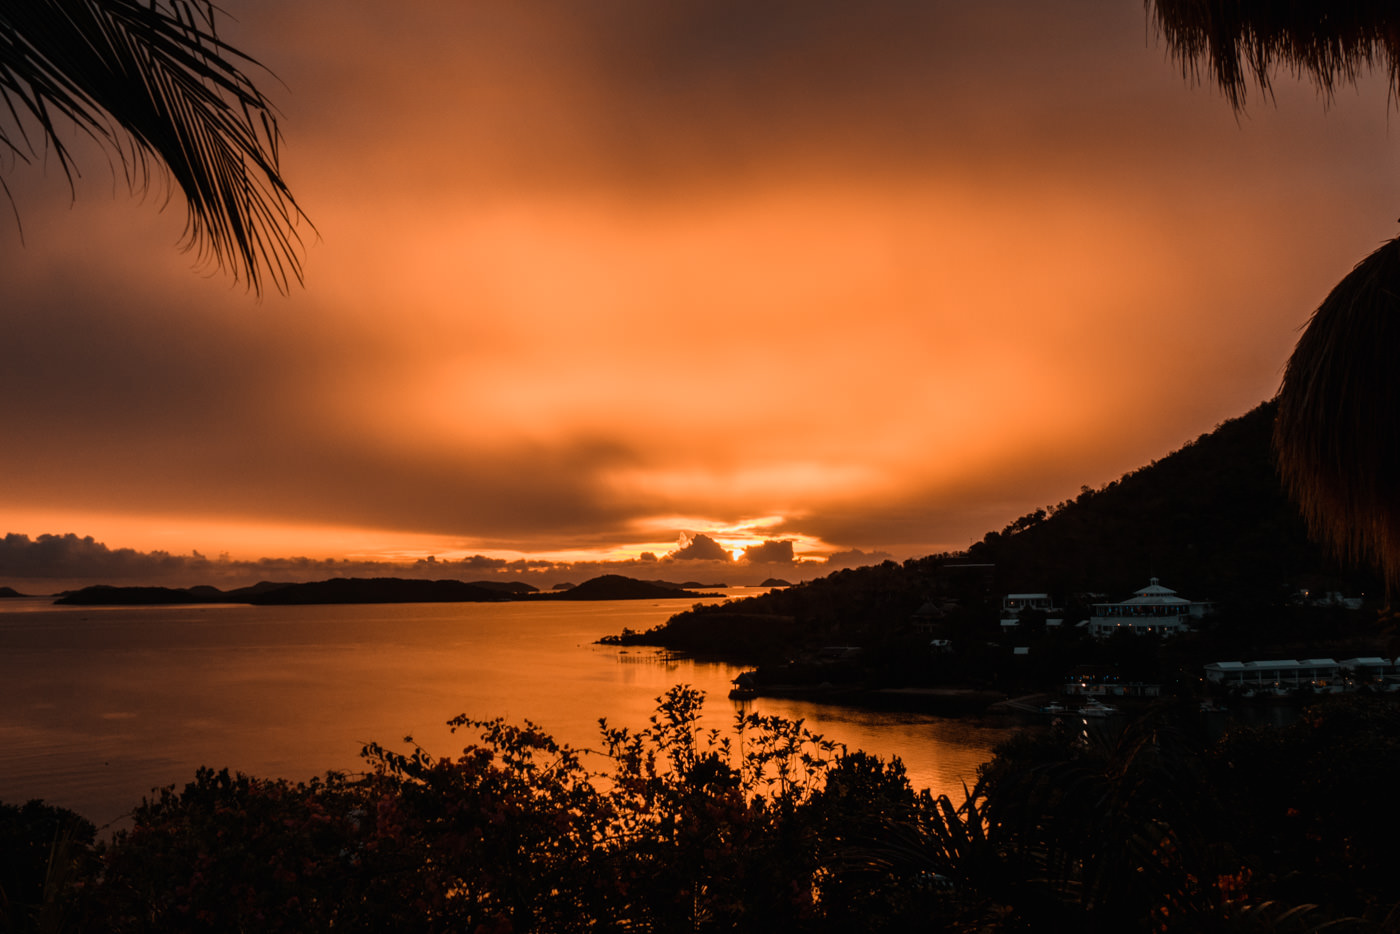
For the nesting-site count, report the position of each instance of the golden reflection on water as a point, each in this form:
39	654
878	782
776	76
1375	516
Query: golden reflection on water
98	706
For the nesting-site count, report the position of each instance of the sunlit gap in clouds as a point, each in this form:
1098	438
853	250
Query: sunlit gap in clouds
733	537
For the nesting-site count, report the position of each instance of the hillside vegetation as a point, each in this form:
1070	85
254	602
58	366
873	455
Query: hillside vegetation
1210	520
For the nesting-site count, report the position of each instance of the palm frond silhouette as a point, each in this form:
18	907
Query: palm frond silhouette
155	85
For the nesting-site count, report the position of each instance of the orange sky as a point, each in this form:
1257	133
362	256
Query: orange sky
592	277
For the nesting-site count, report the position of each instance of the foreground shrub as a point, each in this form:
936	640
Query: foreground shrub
674	828
763	827
45	852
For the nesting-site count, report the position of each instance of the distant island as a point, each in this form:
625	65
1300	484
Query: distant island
617	587
377	590
380	590
9	592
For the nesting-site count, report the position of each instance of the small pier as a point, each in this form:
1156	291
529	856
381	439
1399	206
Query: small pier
1029	703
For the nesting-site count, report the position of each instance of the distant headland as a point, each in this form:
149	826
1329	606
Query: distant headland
381	590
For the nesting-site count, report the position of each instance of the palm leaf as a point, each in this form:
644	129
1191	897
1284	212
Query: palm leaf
152	81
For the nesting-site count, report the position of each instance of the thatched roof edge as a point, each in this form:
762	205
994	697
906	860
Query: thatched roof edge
1328	41
1337	433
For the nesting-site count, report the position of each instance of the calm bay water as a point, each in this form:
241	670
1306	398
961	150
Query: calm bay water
100	705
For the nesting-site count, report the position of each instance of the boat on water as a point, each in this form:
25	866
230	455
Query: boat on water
1094	707
1054	708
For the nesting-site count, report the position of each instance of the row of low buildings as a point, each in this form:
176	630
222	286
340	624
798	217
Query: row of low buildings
1271	677
1320	675
1282	676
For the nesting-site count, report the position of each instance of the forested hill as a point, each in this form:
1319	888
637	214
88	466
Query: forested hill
1211	520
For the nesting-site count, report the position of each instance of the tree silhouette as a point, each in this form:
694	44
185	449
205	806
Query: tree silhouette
1338	429
152	82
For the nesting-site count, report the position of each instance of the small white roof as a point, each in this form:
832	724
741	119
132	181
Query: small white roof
1155	593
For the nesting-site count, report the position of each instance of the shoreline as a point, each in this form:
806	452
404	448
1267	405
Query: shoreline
942	701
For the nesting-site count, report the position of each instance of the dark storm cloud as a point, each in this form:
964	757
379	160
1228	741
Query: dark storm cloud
701	548
770	552
68	556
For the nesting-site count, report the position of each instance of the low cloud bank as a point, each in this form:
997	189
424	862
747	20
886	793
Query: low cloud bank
52	563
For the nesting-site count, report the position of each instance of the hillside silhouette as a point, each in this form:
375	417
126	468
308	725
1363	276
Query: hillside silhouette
1211	517
1211	520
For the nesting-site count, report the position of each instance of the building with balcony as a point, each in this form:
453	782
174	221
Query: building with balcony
1154	610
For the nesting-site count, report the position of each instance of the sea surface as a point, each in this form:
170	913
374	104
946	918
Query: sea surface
98	706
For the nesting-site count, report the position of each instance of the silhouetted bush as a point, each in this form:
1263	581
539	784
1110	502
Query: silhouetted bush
763	827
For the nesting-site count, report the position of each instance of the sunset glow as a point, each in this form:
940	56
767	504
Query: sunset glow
846	281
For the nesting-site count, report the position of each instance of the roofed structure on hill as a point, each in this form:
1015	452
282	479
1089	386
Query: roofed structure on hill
1152	610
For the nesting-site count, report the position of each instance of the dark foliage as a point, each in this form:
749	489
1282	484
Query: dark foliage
1157	826
44	850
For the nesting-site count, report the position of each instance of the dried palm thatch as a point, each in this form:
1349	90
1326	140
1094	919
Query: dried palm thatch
152	82
1329	41
1337	433
1338	429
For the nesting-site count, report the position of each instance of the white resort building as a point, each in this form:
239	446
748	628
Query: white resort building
1153	609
